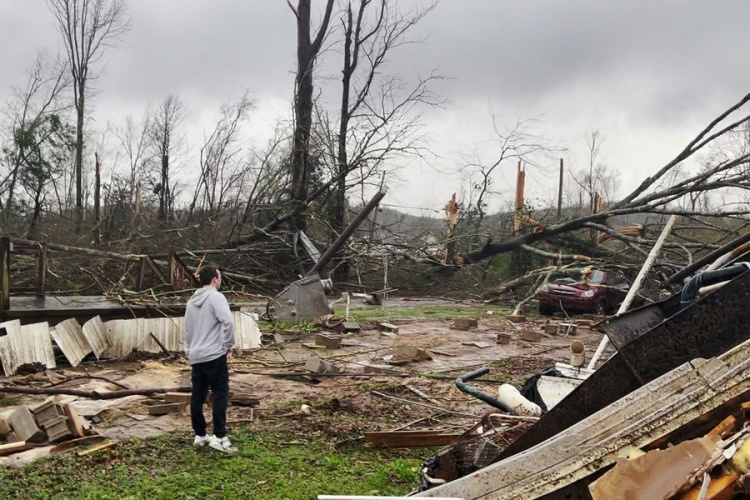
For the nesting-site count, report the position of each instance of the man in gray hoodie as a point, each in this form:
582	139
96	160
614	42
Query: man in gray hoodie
209	340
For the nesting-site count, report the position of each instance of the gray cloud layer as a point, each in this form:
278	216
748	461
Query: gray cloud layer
648	74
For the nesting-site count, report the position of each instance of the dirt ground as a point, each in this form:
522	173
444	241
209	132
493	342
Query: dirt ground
342	407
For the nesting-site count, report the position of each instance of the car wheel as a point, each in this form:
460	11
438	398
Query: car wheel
546	310
601	308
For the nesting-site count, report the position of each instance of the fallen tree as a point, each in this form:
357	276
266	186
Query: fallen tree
660	193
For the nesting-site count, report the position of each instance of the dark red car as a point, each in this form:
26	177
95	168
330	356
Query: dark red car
601	294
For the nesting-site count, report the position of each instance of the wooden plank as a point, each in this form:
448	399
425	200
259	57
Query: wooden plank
10	448
99	447
244	400
410	439
75	443
177	397
74	420
150	262
163	409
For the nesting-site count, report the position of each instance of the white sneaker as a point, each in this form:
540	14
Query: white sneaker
221	444
202	440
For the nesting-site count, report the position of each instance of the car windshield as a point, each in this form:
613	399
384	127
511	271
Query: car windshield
597	277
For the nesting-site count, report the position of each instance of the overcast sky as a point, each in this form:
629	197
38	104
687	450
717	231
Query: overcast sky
647	74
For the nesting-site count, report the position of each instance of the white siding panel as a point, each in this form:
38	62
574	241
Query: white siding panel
41	342
25	344
169	331
246	330
125	336
69	336
96	335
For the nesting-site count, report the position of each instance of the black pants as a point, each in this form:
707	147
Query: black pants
213	374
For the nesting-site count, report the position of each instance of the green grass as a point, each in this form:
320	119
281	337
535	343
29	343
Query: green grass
267	466
425	312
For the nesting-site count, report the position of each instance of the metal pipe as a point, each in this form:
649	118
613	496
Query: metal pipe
461	384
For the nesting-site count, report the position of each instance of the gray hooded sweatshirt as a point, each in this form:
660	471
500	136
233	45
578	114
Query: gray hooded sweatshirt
209	326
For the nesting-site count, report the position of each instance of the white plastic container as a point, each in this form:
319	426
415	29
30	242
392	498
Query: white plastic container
510	397
577	353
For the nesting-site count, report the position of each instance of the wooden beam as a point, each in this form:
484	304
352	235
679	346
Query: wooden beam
410	439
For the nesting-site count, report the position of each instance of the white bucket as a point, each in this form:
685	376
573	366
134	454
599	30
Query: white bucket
577	353
510	397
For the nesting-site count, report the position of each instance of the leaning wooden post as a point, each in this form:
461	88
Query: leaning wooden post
5	249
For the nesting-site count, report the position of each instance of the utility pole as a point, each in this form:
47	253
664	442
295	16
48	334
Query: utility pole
559	192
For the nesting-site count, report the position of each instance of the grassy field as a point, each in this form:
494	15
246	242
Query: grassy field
267	466
437	312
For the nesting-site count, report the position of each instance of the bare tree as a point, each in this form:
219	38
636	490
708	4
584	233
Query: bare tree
133	139
378	113
596	178
307	53
87	28
165	141
222	159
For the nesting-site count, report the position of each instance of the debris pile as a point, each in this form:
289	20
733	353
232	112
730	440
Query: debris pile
47	422
713	466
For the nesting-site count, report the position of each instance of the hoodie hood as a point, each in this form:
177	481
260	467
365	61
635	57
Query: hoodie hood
201	295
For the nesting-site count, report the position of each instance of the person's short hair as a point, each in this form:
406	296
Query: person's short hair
207	274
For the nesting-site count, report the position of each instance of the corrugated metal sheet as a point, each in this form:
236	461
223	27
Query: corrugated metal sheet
25	344
96	335
69	337
246	330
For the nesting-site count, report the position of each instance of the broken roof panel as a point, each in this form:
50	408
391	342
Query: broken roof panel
69	337
96	335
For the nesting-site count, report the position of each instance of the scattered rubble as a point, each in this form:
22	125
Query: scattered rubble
48	422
